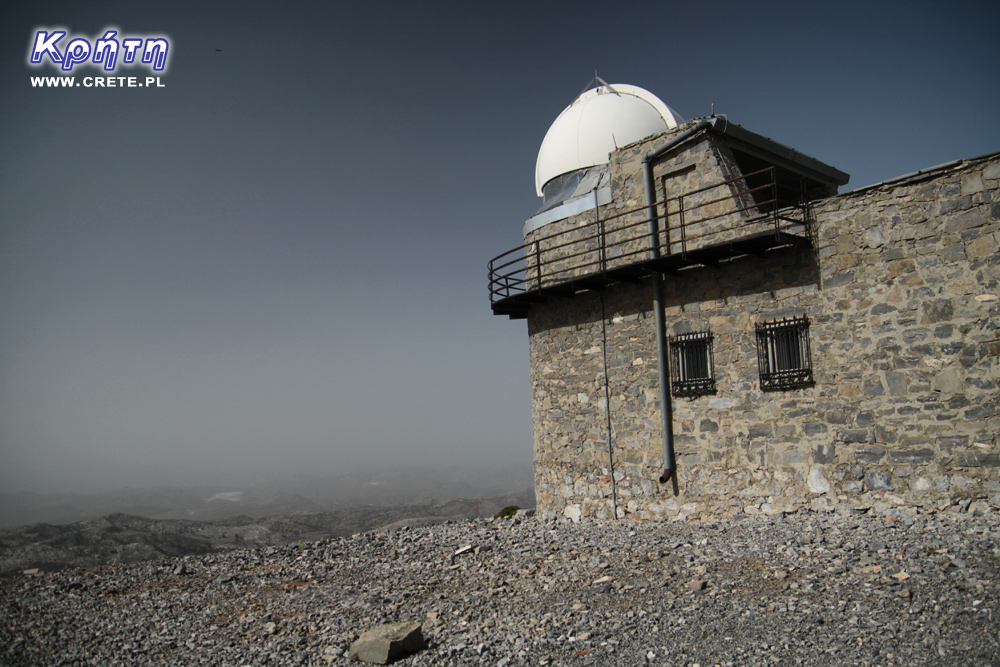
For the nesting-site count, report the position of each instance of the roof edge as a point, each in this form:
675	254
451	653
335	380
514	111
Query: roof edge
721	125
924	174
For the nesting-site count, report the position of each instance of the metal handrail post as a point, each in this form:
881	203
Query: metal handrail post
538	262
680	217
774	198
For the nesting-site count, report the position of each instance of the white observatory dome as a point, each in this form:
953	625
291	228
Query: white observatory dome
597	122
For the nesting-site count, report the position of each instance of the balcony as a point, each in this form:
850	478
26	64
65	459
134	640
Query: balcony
748	215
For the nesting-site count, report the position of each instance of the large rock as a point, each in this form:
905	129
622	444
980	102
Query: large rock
388	642
817	482
876	480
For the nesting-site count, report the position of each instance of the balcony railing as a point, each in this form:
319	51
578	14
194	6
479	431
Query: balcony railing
740	216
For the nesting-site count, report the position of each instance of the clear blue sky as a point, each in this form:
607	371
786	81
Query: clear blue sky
277	262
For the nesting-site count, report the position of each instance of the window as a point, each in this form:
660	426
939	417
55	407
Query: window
692	370
783	354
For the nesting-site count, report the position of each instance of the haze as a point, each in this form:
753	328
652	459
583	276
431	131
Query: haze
276	263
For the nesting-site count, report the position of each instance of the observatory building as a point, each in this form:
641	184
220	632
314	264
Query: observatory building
713	329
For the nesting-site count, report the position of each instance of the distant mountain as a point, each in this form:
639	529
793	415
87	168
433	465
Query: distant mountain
274	496
122	538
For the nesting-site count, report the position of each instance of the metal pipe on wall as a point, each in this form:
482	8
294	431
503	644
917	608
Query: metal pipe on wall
663	367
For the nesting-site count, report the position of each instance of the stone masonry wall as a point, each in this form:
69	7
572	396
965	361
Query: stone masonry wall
697	171
902	297
569	248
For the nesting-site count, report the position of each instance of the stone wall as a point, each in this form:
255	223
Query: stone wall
698	177
902	297
688	176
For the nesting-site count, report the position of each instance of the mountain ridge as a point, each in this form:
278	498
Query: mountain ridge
125	538
270	496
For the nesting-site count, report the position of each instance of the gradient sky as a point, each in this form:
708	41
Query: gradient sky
277	262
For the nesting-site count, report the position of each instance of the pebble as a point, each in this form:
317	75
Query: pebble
804	589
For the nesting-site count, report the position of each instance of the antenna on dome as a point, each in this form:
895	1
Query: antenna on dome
600	82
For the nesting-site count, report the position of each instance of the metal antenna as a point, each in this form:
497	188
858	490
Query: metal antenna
598	80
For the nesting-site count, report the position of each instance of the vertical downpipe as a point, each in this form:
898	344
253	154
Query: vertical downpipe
666	408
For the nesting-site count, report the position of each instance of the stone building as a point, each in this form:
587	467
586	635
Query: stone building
815	349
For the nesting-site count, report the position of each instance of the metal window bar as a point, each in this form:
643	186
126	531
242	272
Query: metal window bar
692	364
783	357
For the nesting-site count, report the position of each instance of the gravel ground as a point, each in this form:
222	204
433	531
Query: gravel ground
801	589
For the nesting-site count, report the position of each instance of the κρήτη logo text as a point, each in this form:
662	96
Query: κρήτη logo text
109	51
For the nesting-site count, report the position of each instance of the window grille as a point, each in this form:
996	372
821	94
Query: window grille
692	368
783	354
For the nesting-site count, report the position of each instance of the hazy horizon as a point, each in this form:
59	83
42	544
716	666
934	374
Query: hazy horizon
277	495
276	262
304	480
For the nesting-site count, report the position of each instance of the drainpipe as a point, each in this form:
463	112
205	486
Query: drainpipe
666	408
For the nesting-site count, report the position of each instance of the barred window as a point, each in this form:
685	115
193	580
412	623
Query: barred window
692	369
783	356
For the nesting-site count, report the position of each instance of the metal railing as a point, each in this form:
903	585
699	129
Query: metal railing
715	215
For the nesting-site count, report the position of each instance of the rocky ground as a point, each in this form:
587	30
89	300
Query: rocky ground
809	589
